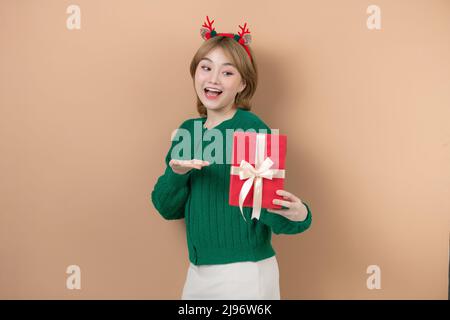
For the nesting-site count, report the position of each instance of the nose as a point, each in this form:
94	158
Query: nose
214	77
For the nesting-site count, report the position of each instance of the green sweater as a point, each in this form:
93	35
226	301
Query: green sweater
216	232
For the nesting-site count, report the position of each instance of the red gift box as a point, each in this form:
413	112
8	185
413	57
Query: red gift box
250	151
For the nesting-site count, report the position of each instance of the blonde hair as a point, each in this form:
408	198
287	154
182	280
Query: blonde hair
239	57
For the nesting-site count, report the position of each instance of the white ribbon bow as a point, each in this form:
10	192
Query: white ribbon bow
254	176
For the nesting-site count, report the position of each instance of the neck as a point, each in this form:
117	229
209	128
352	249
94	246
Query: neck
215	117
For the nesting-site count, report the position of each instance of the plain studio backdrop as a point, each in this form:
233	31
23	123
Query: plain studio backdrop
86	117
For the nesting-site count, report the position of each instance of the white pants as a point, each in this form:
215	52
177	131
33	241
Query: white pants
239	280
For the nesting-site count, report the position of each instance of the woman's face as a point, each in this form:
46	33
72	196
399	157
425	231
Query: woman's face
216	72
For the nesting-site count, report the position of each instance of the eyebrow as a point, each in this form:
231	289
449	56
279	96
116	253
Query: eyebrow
224	64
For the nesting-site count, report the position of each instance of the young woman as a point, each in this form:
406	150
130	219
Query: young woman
229	258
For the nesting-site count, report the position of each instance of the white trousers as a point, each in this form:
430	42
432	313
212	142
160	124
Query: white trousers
233	281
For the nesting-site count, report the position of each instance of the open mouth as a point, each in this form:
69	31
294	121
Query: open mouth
212	92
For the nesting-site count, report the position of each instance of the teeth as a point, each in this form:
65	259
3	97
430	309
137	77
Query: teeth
215	90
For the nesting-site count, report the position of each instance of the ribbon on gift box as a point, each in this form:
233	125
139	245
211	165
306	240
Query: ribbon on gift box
254	176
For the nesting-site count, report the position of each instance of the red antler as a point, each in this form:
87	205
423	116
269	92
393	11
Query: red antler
209	25
244	31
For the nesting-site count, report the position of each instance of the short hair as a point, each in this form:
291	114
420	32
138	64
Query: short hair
239	57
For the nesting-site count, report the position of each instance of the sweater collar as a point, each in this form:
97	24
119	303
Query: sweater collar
224	123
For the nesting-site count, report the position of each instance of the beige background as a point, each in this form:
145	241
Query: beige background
86	117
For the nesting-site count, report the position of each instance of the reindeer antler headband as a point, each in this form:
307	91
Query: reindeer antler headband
243	37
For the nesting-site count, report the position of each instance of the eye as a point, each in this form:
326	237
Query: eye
208	68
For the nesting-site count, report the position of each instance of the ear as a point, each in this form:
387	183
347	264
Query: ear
242	87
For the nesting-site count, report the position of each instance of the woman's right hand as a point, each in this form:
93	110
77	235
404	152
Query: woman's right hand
184	166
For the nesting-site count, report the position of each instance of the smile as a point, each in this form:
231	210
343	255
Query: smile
211	93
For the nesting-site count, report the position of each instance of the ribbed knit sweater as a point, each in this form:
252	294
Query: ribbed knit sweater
216	232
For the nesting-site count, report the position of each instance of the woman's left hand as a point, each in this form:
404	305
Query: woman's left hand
296	210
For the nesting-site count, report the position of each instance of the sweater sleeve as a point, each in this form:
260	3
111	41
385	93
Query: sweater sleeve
282	225
171	190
